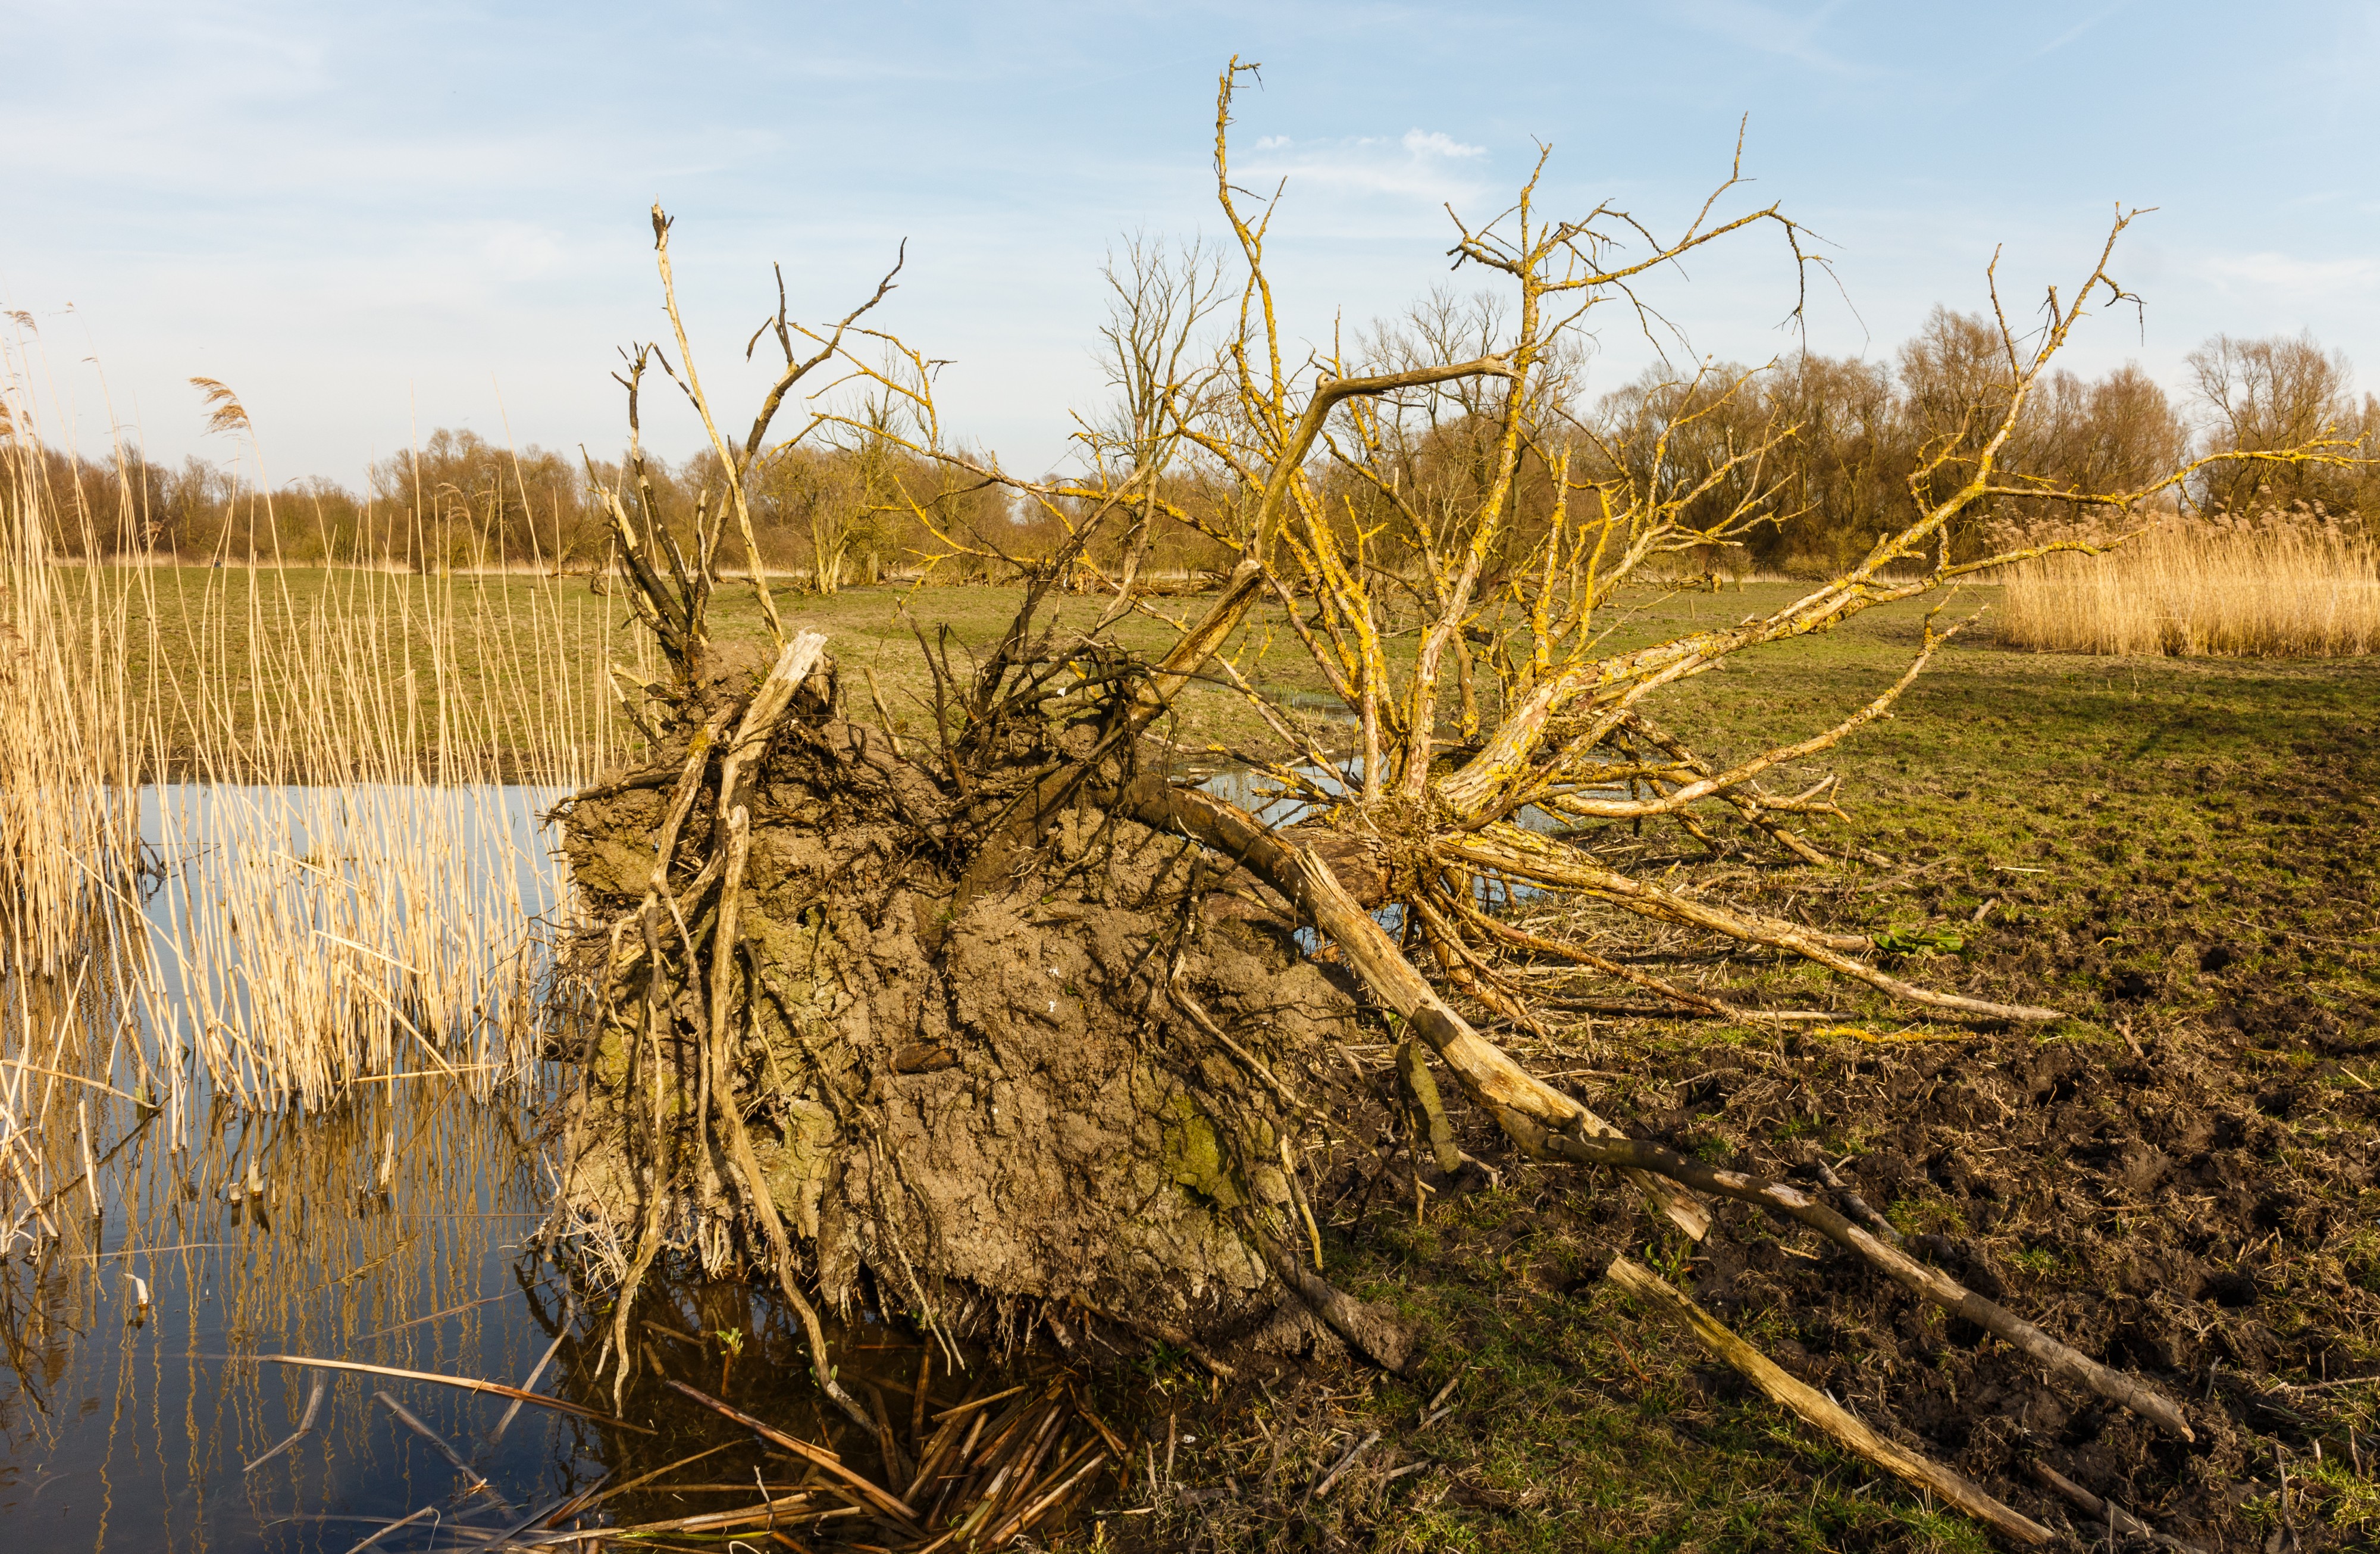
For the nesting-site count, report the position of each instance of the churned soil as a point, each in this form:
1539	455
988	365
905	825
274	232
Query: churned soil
2200	1212
2177	1180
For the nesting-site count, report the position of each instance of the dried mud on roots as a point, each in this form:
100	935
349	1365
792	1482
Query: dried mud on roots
1069	1099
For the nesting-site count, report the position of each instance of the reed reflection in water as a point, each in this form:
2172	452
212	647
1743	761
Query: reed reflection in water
295	939
389	1230
397	1231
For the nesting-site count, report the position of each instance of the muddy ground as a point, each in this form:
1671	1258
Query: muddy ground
2180	1179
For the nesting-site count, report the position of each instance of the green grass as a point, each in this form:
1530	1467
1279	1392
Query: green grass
2172	809
1576	1423
2125	818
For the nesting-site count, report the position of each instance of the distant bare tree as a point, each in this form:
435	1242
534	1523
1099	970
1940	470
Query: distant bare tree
2264	394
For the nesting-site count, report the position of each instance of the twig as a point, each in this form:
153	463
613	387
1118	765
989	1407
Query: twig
643	1479
1916	1277
1859	1207
2123	1521
305	1422
883	716
2320	1385
562	1331
406	1521
975	1403
450	1311
1345	1463
479	1481
551	1513
467	1384
1031	1514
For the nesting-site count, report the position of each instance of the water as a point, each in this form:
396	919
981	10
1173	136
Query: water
389	1223
299	936
125	1427
1269	801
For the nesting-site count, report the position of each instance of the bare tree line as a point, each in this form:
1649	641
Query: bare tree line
863	505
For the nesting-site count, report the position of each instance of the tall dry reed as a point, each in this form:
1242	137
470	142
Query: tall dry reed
265	828
2285	585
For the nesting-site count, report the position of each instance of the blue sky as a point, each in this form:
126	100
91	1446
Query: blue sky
371	220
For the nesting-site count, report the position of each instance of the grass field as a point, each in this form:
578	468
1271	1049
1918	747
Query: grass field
244	625
2186	854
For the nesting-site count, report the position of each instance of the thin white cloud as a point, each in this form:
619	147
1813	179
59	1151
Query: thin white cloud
2078	30
1436	142
1423	165
2289	276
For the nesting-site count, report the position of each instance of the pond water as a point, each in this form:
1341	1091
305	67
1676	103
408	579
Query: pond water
394	1232
299	936
1272	803
160	1252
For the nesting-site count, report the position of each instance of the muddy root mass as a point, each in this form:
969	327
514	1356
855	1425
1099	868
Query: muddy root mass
1068	1097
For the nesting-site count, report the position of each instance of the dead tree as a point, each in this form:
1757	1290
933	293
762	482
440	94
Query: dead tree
1009	1020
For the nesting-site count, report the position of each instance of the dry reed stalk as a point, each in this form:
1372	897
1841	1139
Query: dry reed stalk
2285	586
299	940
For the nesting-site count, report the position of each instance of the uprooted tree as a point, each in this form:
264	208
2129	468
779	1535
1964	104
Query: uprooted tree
1009	1025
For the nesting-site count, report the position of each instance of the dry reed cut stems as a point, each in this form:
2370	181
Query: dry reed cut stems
2279	587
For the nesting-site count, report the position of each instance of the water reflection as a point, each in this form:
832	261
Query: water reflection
295	939
1276	805
128	1425
395	1231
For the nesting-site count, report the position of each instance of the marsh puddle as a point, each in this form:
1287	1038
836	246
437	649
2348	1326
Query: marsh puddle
1276	805
167	1250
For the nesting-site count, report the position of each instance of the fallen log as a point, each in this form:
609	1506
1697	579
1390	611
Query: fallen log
1815	1408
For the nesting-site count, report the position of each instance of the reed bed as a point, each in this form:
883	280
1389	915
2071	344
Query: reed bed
264	830
2292	585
